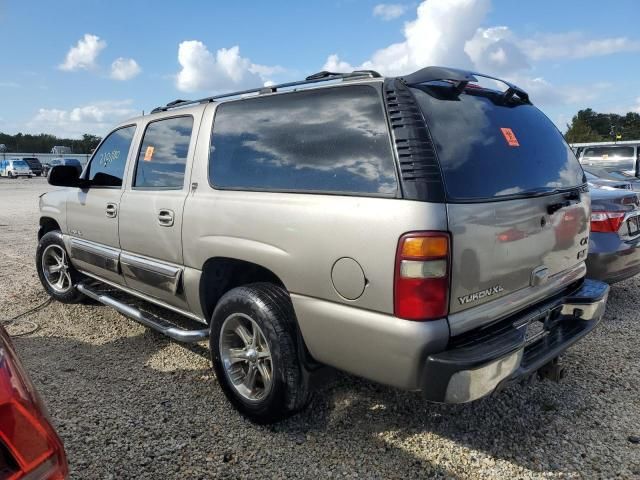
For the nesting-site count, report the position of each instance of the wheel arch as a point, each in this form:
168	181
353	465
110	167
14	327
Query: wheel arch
221	274
47	224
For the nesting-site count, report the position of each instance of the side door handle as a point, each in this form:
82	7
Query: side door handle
166	218
111	210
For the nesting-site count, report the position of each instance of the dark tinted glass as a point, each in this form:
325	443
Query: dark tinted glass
163	154
329	140
108	162
73	162
609	152
489	150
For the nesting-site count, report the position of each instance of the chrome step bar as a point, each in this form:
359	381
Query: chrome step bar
148	320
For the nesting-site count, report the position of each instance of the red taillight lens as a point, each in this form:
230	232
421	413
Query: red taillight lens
606	221
31	448
421	290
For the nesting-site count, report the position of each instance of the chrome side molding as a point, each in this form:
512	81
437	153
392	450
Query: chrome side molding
148	320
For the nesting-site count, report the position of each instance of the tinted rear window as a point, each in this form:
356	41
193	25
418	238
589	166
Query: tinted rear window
610	153
328	140
487	150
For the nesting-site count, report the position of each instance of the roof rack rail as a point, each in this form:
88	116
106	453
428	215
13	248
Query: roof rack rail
460	79
323	76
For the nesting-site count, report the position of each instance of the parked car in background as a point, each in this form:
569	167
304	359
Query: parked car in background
14	168
360	222
62	161
614	243
620	178
29	446
622	158
34	165
605	183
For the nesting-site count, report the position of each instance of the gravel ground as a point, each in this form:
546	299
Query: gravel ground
129	403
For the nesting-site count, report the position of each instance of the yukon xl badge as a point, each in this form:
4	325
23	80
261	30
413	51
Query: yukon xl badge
472	297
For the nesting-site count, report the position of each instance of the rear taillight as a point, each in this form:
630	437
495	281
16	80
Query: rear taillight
606	221
29	447
421	290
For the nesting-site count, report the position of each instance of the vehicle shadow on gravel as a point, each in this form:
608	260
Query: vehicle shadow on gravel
125	409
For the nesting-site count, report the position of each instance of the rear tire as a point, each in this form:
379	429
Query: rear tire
254	353
57	275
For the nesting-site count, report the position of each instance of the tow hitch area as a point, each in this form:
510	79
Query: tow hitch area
552	371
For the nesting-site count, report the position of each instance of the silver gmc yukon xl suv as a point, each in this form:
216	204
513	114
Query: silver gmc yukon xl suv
427	232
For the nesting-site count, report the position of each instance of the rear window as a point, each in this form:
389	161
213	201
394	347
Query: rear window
609	153
488	150
332	140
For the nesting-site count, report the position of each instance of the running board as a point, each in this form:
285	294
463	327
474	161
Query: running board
148	320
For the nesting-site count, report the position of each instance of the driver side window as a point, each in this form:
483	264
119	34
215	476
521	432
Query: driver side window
108	162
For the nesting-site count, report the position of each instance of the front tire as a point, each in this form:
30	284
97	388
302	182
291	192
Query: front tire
254	352
57	275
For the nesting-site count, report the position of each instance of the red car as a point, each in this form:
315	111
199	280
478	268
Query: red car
30	449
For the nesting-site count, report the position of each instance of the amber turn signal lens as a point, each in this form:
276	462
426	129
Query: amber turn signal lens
422	247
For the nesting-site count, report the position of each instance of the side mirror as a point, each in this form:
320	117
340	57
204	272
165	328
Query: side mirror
66	176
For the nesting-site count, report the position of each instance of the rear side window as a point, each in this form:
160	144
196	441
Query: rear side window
488	150
163	153
333	140
108	161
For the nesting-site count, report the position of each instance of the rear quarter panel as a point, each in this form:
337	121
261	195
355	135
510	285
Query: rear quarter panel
299	237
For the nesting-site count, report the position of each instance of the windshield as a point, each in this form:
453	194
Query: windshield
19	163
488	150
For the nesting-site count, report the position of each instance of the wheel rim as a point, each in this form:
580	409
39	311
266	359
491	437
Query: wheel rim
55	266
246	357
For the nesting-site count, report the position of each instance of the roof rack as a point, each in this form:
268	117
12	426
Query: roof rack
323	76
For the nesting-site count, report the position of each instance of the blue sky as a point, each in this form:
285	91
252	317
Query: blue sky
80	66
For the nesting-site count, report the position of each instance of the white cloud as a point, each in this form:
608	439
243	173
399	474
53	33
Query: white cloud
201	70
96	118
436	37
124	68
389	11
334	64
83	56
493	50
575	45
454	33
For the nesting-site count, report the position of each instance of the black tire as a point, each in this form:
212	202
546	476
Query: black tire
10	175
270	307
71	295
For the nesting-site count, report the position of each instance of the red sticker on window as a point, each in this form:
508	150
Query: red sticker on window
510	137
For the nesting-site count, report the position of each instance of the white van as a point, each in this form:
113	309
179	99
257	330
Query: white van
15	167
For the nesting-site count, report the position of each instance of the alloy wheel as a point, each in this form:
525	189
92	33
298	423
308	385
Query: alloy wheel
55	266
246	357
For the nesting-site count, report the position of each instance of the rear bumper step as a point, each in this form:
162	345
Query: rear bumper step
489	361
148	320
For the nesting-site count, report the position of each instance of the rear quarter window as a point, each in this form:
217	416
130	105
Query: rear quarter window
488	150
332	140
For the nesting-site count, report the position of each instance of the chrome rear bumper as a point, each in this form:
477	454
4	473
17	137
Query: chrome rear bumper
482	361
